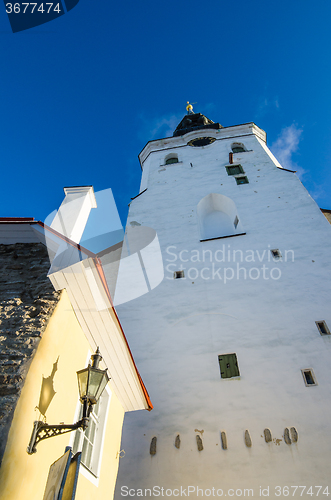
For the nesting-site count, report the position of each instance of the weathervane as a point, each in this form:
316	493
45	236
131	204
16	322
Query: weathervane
189	108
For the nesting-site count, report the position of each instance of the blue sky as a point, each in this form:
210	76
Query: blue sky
82	95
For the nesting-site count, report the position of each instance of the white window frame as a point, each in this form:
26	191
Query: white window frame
94	473
325	326
311	371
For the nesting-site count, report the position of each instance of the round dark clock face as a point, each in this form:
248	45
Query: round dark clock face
201	141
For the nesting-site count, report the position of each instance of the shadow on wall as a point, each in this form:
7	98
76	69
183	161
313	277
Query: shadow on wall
47	392
218	217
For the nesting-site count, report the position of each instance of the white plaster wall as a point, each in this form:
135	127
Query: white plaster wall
177	331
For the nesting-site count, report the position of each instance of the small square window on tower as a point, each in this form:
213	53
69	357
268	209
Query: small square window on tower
234	169
322	327
241	180
179	274
276	254
309	377
236	222
228	365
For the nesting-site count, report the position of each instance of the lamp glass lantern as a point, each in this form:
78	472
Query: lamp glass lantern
92	381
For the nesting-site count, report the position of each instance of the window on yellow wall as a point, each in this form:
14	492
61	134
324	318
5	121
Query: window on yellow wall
90	442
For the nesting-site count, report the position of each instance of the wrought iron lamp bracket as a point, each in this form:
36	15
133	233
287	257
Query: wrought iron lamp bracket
41	430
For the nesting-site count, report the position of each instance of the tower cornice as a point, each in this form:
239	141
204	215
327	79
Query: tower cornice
233	131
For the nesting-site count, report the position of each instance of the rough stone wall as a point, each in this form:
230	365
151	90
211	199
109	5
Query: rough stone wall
27	300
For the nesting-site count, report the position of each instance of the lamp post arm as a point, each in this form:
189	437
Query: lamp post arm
42	431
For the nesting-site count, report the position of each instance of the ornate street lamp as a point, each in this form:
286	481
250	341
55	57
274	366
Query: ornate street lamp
91	382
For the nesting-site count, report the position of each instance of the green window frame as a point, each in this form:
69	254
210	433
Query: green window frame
234	169
228	365
169	161
241	180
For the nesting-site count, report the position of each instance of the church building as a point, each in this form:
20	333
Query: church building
234	344
222	287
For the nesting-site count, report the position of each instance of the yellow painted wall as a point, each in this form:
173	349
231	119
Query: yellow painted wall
24	476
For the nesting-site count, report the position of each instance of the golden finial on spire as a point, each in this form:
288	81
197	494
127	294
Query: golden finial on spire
189	108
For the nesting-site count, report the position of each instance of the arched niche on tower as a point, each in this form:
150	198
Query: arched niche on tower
218	217
171	158
238	147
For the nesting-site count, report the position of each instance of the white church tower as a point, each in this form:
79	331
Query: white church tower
234	344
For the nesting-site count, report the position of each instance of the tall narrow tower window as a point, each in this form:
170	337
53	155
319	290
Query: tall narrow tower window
322	328
309	377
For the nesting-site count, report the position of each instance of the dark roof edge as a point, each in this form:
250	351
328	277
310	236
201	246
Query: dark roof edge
17	220
287	170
